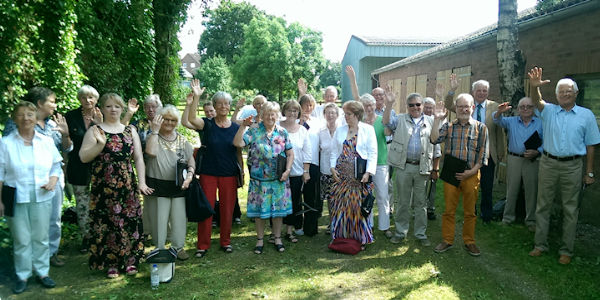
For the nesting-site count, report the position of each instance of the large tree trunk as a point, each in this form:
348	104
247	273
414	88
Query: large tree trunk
511	64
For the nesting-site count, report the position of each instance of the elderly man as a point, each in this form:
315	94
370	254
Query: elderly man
522	162
329	96
379	95
428	109
466	139
410	154
483	113
571	132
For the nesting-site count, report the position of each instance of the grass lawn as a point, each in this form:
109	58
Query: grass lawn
308	270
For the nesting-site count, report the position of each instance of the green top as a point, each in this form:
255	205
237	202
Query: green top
382	151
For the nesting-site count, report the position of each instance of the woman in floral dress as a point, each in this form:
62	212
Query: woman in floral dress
115	213
268	196
350	141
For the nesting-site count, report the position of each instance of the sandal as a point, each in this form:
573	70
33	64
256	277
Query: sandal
291	237
131	270
279	247
112	273
227	249
258	249
272	238
201	253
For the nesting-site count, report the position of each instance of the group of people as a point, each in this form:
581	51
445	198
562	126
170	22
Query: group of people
298	157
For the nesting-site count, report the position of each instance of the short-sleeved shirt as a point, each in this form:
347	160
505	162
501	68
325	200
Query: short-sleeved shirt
518	133
263	150
163	165
220	158
467	142
567	133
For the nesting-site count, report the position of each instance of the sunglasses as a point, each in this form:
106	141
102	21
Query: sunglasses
414	104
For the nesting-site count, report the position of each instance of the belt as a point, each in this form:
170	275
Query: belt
564	158
415	162
515	154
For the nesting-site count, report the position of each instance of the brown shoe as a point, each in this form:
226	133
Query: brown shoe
472	249
182	254
442	247
56	261
535	252
564	259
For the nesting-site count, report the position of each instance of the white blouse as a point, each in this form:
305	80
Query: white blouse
325	142
302	152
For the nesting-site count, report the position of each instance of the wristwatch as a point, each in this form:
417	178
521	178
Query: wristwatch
591	174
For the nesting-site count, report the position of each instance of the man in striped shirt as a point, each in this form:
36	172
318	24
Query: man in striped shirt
466	139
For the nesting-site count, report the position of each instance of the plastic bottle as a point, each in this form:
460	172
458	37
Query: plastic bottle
154	278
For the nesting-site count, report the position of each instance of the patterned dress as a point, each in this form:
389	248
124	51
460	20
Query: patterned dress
115	211
267	196
346	220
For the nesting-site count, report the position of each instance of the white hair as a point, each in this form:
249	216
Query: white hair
465	96
569	82
332	89
221	95
154	98
170	109
480	82
367	99
87	90
414	96
428	100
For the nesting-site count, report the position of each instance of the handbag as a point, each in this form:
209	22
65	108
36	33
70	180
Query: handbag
346	246
366	207
240	176
9	198
281	164
197	207
180	172
202	150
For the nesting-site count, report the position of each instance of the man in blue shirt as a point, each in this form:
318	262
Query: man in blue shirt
571	132
522	163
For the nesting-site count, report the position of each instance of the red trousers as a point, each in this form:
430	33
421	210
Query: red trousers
227	187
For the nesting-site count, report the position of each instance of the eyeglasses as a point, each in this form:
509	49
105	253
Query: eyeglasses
414	104
462	107
526	107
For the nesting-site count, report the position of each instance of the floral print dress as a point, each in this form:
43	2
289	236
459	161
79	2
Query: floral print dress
115	211
267	196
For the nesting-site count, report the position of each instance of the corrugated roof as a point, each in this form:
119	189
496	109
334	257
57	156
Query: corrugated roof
398	41
525	16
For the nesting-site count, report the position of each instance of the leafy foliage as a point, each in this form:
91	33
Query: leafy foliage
331	75
306	54
214	74
224	34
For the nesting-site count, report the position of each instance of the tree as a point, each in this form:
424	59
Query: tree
307	59
511	65
214	74
331	75
264	62
224	34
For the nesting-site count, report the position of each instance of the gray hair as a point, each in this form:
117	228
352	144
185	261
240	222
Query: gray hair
523	99
332	89
367	99
465	96
87	90
268	107
221	95
154	98
428	100
567	81
333	106
170	109
480	82
414	96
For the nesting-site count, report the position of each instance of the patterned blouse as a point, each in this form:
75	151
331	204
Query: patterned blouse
263	151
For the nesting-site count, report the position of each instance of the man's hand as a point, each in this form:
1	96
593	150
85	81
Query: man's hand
588	180
454	82
502	108
440	111
531	153
390	96
439	91
466	174
434	175
535	78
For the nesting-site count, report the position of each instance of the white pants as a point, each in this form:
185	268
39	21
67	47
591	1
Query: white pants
169	211
54	233
380	180
148	214
29	229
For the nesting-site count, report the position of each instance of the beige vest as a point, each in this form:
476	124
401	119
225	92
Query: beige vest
399	147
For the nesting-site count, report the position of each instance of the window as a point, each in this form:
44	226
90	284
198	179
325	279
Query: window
192	65
185	65
589	92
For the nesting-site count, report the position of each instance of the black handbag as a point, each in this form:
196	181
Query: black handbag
9	198
197	207
240	176
181	171
366	207
281	164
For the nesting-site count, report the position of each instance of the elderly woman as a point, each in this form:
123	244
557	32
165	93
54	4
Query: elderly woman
30	163
164	149
269	195
299	175
325	141
380	179
57	129
79	174
352	141
116	242
219	168
247	111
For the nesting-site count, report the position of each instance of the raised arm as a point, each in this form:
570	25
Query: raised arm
238	139
352	77
535	81
132	108
449	100
93	143
390	98
195	122
439	115
186	111
63	128
302	87
238	105
152	139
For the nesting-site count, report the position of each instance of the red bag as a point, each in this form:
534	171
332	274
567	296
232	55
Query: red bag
346	246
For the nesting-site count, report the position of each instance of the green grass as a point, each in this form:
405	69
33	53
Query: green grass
308	270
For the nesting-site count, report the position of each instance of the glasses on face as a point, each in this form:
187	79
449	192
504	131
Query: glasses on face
170	120
414	104
523	107
463	107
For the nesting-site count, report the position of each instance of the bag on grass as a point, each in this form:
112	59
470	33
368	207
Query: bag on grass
346	246
164	259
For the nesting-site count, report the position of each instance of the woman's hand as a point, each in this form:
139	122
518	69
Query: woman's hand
99	136
186	182
156	123
240	103
365	177
247	121
305	177
285	175
334	174
198	91
144	189
61	125
132	106
97	117
51	183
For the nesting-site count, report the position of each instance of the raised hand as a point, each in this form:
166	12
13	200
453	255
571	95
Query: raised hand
440	110
350	71
502	108
132	105
302	86
99	135
247	121
535	78
240	103
390	96
439	91
189	98
156	123
198	91
61	124
454	82
97	117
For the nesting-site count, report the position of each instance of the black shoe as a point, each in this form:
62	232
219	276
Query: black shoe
431	215
47	282
20	286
